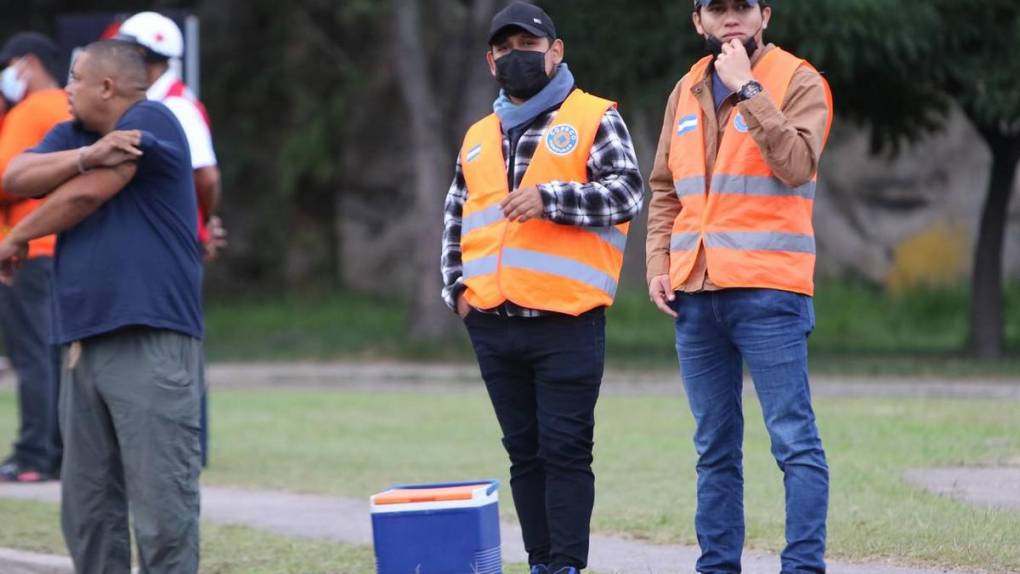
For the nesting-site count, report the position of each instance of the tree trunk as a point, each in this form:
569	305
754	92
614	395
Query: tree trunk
429	318
478	87
986	322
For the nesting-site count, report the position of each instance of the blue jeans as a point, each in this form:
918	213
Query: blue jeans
543	376
25	317
767	329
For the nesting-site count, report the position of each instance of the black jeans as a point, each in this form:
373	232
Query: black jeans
543	376
25	317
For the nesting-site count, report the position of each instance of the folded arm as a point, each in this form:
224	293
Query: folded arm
38	174
72	202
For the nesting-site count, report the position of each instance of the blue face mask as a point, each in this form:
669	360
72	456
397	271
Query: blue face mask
13	87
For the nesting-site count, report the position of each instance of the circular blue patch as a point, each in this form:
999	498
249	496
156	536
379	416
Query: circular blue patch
562	139
740	124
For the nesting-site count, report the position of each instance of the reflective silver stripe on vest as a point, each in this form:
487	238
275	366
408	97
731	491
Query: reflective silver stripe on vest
760	186
684	241
482	266
559	266
480	219
610	235
762	241
693	185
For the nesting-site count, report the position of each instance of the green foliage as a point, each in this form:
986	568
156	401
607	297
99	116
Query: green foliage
893	66
635	53
859	328
978	53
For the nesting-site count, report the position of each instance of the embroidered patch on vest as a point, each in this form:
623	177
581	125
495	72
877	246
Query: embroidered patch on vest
474	152
562	139
739	123
687	124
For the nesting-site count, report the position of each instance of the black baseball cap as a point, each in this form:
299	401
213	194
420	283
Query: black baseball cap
531	18
34	43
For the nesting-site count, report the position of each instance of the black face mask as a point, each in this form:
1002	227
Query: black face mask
713	45
522	73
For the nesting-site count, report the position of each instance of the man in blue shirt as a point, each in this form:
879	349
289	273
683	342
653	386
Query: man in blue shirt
127	276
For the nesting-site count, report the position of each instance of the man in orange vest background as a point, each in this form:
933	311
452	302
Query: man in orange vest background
535	228
163	43
32	64
730	256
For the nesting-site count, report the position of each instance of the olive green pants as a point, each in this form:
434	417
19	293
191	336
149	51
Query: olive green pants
129	414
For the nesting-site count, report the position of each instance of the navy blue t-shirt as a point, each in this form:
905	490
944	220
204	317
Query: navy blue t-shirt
135	260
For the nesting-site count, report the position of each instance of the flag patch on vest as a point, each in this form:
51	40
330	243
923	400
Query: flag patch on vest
474	152
687	124
562	139
740	123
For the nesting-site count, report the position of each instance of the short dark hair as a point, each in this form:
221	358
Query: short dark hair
761	4
126	57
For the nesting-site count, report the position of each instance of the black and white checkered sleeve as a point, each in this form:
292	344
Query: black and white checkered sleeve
614	193
450	262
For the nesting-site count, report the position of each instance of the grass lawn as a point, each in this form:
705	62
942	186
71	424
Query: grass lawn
354	444
859	330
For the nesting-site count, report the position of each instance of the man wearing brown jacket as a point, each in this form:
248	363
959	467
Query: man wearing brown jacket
730	256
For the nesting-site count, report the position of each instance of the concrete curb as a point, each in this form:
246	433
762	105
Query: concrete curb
458	377
347	520
440	377
20	562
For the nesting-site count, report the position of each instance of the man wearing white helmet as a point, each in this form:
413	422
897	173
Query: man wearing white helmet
163	42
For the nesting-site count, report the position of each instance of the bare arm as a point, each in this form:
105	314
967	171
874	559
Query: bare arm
207	186
72	202
37	174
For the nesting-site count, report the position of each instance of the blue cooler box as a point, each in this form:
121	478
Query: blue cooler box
437	529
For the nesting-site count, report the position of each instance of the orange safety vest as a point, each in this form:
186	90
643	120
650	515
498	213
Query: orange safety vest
537	264
33	117
756	231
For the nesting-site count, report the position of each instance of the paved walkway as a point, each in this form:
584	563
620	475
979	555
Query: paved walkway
347	520
447	377
440	377
996	486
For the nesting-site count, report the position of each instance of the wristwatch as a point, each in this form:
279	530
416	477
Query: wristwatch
749	90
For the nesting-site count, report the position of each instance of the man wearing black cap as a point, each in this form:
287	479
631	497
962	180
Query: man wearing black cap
730	256
535	227
31	65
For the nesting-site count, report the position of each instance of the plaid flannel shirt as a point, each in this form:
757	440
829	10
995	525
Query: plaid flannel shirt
614	194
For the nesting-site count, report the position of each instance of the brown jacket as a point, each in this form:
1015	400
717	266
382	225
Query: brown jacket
791	140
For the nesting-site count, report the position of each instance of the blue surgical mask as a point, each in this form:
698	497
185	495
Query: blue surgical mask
13	87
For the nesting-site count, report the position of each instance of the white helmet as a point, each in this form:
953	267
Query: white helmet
155	32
